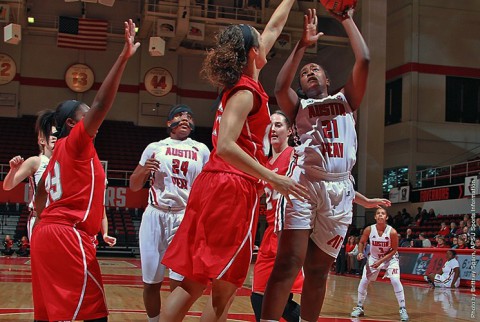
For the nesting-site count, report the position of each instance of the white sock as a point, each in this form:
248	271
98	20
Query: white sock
398	289
154	319
362	291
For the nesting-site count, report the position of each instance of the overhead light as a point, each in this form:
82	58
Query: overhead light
136	29
31	20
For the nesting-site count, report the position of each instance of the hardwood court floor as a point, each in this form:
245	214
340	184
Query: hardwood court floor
123	286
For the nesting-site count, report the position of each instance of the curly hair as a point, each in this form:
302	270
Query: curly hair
224	64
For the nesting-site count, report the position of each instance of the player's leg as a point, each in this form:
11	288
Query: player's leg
316	267
393	272
369	274
292	249
223	293
181	299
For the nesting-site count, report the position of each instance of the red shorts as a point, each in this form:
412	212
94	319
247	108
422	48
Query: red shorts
215	238
264	263
66	279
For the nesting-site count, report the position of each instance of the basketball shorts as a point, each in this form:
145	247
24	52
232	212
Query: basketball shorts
327	210
392	268
156	232
445	281
66	279
215	239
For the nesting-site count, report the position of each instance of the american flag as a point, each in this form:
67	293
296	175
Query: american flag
82	33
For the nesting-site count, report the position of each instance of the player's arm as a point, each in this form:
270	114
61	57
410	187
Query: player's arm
286	97
275	25
111	241
363	242
238	106
393	248
371	203
103	101
40	197
19	170
142	173
456	276
356	85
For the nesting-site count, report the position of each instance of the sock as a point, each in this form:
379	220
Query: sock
256	300
154	319
362	291
398	289
291	313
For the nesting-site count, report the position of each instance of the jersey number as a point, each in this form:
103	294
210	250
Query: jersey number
53	185
330	129
178	166
335	242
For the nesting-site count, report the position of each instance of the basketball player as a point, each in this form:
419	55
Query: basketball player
32	168
281	131
449	276
314	229
66	279
214	242
172	165
383	255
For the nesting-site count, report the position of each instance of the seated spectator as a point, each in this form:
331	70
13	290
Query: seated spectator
454	242
459	231
444	231
416	243
397	220
418	216
449	275
441	242
466	217
470	228
453	229
477	228
462	242
477	243
405	242
425	241
8	245
348	249
24	247
431	214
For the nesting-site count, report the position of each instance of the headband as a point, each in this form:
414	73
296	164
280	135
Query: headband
66	110
247	37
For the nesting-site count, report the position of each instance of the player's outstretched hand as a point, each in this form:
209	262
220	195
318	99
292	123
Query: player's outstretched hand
286	186
310	32
130	45
378	202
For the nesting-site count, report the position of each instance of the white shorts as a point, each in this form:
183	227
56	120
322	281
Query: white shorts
156	232
391	266
328	210
445	281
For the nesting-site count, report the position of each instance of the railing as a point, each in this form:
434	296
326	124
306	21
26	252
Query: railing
450	174
115	177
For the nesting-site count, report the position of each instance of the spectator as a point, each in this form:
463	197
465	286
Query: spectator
454	242
397	220
477	243
406	217
431	214
444	231
453	229
440	239
444	277
425	241
466	217
462	242
8	244
460	228
418	216
405	242
470	228
351	253
477	228
23	247
425	215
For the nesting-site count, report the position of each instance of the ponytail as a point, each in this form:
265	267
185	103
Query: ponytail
44	123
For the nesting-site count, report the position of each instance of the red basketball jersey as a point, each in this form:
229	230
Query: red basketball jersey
254	138
75	182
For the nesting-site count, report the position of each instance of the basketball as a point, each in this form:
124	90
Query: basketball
338	7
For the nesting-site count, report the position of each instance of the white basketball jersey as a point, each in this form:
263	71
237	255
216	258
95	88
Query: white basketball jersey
380	245
180	163
33	180
326	130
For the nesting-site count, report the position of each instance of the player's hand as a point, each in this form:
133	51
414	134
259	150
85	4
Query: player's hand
360	256
130	45
111	241
286	186
348	14
16	162
310	35
376	264
152	164
378	202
